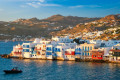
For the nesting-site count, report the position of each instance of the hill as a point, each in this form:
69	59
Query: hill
30	28
109	21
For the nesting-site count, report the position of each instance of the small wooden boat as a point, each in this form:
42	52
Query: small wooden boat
14	70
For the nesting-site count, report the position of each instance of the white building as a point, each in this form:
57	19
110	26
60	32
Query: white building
17	51
61	39
28	49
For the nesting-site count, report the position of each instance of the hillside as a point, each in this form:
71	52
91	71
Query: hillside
30	28
97	25
111	33
69	20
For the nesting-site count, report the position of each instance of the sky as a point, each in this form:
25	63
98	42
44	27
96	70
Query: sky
11	10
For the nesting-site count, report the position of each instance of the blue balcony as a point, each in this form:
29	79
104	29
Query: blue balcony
78	49
48	49
77	53
48	53
57	50
26	50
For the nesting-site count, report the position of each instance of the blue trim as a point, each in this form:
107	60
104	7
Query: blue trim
48	53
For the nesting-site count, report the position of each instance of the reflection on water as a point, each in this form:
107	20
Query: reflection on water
70	62
52	70
57	70
59	62
42	62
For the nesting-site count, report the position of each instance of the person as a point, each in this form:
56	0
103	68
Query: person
13	69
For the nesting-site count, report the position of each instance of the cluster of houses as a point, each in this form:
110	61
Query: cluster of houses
63	48
95	34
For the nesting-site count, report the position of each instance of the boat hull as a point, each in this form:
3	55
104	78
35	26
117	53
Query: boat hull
12	72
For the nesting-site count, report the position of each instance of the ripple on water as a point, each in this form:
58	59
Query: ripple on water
56	70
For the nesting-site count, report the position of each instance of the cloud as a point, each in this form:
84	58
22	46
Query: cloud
37	3
48	4
41	3
82	6
78	6
33	4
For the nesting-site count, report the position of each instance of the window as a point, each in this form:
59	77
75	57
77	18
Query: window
48	53
91	48
83	47
79	49
88	48
53	49
23	46
83	53
58	49
76	49
25	50
49	49
26	46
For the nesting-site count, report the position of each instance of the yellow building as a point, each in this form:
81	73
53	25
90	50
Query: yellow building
86	48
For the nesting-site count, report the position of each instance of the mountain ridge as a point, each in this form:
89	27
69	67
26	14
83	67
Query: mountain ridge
101	24
56	24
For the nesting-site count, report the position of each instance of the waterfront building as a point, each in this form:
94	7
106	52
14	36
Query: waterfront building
40	51
114	55
69	54
28	50
35	49
62	48
50	51
59	49
78	51
86	50
106	53
17	51
97	55
56	50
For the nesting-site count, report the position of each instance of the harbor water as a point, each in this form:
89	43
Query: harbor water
55	70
